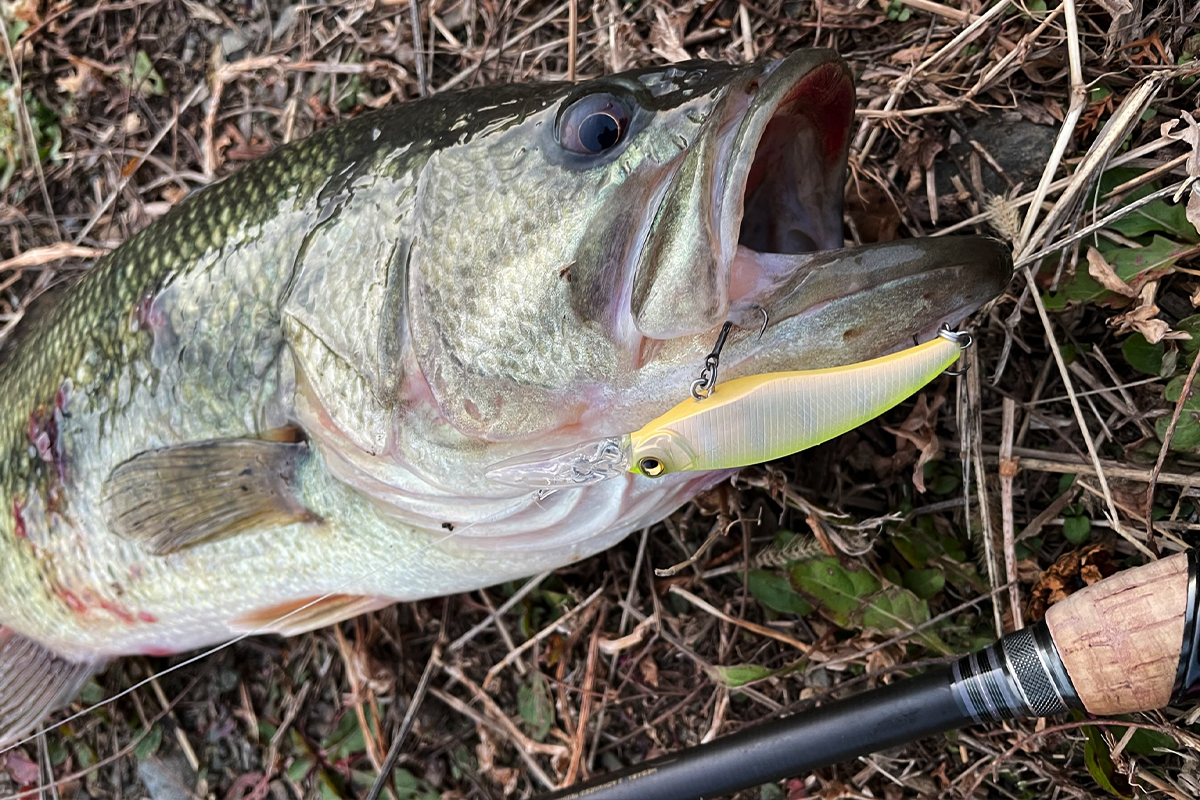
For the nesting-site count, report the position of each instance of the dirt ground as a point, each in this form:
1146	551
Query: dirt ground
970	115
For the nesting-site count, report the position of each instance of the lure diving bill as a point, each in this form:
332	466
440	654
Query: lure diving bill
745	421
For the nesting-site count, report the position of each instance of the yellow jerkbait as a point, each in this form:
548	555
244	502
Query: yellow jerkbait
763	417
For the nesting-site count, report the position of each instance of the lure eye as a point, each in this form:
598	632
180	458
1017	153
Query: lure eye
593	124
652	467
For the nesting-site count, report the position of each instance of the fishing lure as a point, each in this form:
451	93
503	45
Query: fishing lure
745	421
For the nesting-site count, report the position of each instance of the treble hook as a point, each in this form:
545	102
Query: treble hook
964	341
702	387
766	320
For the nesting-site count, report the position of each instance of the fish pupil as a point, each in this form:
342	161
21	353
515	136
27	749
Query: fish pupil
599	132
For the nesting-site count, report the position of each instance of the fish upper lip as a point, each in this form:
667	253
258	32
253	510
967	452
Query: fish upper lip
811	95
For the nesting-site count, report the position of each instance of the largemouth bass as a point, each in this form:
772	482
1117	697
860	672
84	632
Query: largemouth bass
276	406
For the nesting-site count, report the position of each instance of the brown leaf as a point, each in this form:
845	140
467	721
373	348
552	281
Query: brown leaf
1190	135
649	670
1103	272
916	435
613	646
19	767
81	83
1143	318
485	752
1053	108
908	55
26	11
1028	571
666	34
1036	114
1070	573
916	155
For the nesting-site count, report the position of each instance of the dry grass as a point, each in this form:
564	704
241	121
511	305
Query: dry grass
615	663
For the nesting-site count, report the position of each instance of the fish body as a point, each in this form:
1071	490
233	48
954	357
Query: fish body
275	407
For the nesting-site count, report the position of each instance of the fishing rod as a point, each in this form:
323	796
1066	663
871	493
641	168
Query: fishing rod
1125	644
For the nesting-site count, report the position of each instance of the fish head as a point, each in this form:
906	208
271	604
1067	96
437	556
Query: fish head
570	269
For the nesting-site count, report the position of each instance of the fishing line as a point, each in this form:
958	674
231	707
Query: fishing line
266	628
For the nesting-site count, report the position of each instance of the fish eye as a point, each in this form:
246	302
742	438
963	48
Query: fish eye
652	467
593	124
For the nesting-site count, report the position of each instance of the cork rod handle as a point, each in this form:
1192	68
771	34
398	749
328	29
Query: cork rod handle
1121	639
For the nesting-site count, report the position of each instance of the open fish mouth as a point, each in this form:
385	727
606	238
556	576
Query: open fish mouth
780	236
782	194
767	176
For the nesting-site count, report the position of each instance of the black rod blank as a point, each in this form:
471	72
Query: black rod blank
876	720
1021	675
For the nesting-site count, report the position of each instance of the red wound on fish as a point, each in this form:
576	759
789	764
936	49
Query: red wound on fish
118	611
145	316
44	428
19	520
71	600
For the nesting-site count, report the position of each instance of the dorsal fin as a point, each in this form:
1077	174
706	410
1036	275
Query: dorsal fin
36	309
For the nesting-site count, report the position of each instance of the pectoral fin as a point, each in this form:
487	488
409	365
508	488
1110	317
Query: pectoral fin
34	681
181	496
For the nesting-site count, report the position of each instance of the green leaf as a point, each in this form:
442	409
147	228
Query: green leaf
1175	388
1190	325
143	77
1133	265
91	693
149	745
1150	743
856	599
739	674
1141	355
43	121
408	786
536	706
924	547
1100	764
346	740
1186	438
946	483
85	756
1076	529
771	791
299	768
838	591
57	751
776	593
924	583
1158	216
